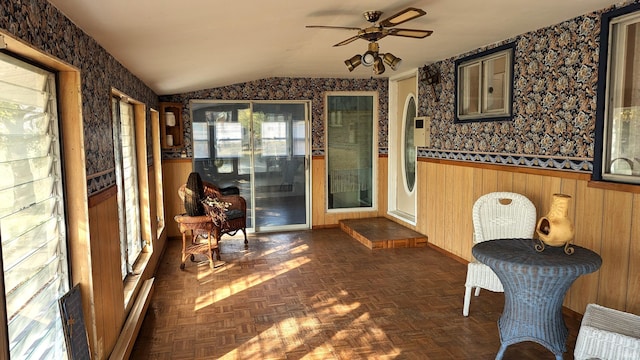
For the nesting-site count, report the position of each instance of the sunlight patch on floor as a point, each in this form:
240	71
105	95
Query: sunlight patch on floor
247	282
302	338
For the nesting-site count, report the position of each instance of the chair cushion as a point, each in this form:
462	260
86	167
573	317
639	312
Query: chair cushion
230	190
234	214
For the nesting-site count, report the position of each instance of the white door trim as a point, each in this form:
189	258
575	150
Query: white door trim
394	146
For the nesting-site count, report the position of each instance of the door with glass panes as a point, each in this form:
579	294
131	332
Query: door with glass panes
402	152
262	148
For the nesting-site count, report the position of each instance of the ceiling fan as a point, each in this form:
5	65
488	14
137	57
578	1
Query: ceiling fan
377	31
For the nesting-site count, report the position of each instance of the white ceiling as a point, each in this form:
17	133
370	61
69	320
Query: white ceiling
180	46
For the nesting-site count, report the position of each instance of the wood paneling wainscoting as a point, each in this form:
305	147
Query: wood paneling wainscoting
107	285
174	174
321	218
606	221
109	306
176	171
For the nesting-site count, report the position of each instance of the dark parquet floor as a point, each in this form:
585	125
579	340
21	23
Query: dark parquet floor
320	294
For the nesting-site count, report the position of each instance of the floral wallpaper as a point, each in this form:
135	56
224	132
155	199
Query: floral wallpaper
313	89
555	90
41	25
555	82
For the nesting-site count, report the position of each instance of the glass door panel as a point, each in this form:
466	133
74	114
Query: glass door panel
222	146
350	151
280	167
409	148
268	167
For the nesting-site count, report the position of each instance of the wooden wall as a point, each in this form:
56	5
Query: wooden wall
108	288
174	173
109	307
320	217
606	221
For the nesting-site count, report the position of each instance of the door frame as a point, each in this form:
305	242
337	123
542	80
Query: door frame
395	147
307	169
307	161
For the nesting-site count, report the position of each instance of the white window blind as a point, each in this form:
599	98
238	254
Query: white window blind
127	177
32	222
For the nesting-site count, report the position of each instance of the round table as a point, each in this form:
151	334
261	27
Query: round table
535	284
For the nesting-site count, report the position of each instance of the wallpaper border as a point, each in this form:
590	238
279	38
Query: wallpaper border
542	162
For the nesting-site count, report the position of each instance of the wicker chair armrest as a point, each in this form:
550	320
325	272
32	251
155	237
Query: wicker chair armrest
608	334
612	320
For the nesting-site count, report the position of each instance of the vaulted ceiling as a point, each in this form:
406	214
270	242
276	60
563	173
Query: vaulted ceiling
180	46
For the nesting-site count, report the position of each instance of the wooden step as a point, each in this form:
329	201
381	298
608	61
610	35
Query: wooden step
382	233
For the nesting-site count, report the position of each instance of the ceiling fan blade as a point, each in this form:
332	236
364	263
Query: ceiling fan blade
407	14
332	27
412	33
348	41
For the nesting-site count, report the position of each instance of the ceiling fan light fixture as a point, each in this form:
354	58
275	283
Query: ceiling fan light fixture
353	62
392	60
378	66
368	58
379	29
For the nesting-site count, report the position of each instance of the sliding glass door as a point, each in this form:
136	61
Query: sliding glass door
262	148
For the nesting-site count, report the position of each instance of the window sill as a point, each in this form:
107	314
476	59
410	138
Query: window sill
133	282
606	185
160	230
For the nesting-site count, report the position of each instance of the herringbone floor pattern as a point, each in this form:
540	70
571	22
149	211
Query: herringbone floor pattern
322	295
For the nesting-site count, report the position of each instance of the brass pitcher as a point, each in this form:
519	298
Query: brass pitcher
556	229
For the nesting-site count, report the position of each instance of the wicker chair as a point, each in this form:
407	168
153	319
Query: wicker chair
608	334
496	215
236	213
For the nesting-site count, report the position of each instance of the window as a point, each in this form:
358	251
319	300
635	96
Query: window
127	182
275	137
32	218
228	139
299	138
201	140
617	150
484	85
350	151
409	149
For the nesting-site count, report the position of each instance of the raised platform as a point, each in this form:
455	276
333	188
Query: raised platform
382	233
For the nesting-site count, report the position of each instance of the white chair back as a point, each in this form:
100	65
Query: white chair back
500	215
